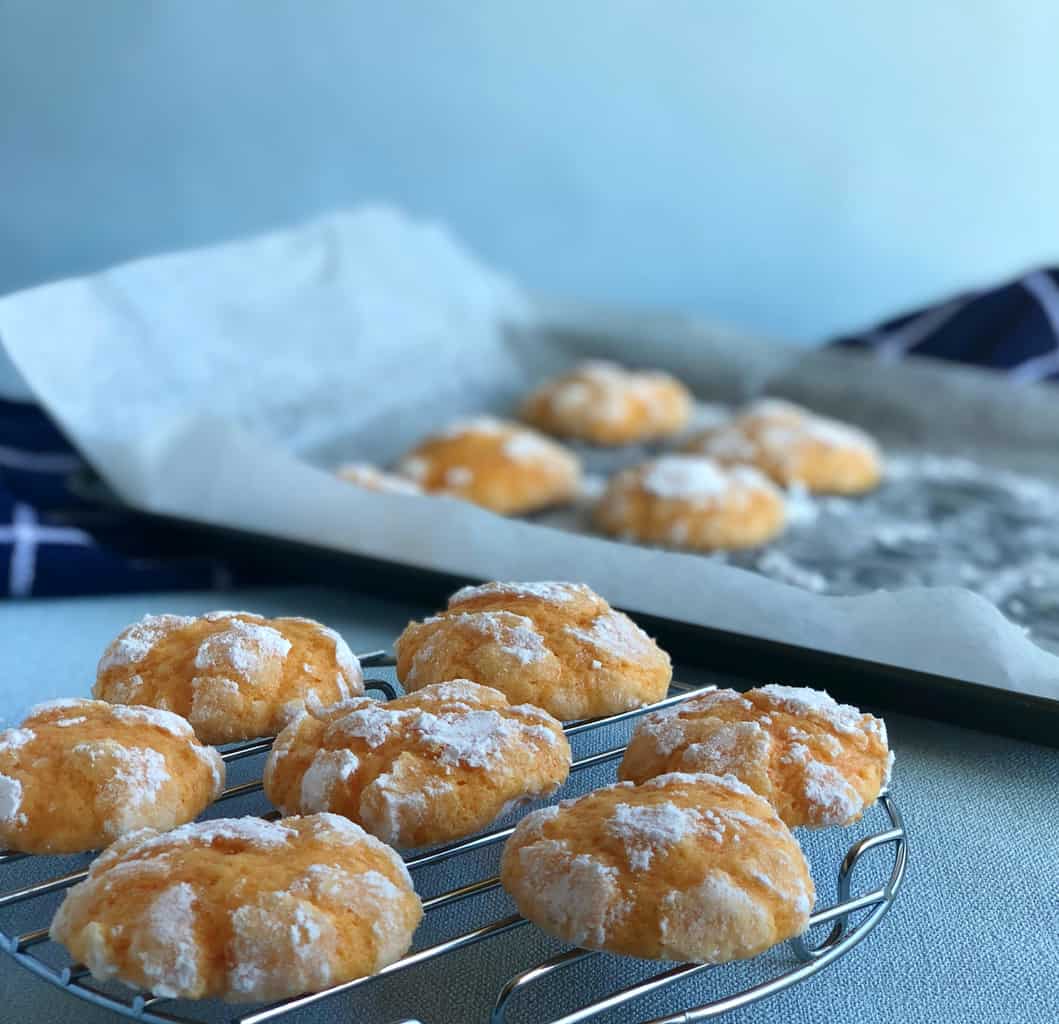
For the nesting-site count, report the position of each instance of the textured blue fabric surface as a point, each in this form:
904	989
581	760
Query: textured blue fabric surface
974	935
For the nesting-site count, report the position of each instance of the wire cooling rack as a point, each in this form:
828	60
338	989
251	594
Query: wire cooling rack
28	946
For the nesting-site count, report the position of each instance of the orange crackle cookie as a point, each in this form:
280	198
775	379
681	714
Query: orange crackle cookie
684	867
435	765
558	646
77	774
606	404
690	501
232	675
816	761
241	909
371	478
501	466
794	446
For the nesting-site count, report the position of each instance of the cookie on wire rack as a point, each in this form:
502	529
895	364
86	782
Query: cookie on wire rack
434	765
559	646
241	909
684	867
816	761
232	675
78	774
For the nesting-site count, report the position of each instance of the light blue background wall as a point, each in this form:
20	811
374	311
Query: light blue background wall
793	167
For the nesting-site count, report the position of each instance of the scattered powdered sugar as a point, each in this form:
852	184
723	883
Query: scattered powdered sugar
167	721
685	478
649	829
166	945
553	592
458	476
139	639
12	739
732	745
328	769
836	434
371	721
578	894
60	704
526	446
10	798
137	774
476	738
727	781
515	635
64	723
616	635
801	700
780	566
474	425
244	647
389	805
715	919
255	832
827	790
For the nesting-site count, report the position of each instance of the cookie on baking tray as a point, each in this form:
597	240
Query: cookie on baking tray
606	404
794	446
371	478
232	675
434	765
816	761
501	466
77	774
684	867
559	646
241	909
690	501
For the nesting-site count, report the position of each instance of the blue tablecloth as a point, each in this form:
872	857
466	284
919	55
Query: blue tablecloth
973	937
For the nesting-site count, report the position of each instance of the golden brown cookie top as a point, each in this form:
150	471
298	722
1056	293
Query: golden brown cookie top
817	761
499	465
688	867
233	675
606	404
78	773
559	646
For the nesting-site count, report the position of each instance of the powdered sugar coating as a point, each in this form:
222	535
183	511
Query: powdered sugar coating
647	830
167	948
803	700
10	798
616	635
552	592
244	647
139	639
686	478
578	892
329	768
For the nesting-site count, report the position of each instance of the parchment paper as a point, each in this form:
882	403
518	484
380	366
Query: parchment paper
219	385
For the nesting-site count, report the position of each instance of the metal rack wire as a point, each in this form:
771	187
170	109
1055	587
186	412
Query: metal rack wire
843	934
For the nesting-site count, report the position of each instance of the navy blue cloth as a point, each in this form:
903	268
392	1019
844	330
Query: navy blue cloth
54	541
1014	328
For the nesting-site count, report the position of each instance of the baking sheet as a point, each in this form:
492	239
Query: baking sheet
216	384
